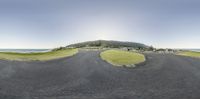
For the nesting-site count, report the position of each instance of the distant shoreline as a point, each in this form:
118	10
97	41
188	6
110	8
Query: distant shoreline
195	50
24	50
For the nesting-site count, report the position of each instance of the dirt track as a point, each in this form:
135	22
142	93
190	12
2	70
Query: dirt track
86	76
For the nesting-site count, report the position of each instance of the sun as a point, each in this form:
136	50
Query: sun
102	36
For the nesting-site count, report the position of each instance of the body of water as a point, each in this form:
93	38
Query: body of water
24	50
196	50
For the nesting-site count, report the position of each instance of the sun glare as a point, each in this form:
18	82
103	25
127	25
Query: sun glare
102	36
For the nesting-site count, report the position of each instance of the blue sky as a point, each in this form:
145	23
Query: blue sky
54	23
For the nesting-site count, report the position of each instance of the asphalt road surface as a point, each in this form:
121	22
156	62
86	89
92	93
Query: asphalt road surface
86	76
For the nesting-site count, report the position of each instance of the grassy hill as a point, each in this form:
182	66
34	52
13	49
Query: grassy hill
190	53
43	56
110	44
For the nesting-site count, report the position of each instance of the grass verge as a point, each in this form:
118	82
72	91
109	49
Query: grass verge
38	56
190	53
122	58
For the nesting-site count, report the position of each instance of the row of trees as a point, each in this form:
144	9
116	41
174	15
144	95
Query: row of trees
114	44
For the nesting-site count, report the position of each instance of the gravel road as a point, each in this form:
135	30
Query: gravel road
86	76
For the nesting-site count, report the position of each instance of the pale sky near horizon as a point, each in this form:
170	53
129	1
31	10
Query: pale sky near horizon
54	23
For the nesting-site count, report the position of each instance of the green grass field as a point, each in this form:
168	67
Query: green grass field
122	58
190	53
38	56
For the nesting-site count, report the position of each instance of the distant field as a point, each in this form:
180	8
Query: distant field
190	53
121	58
37	56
